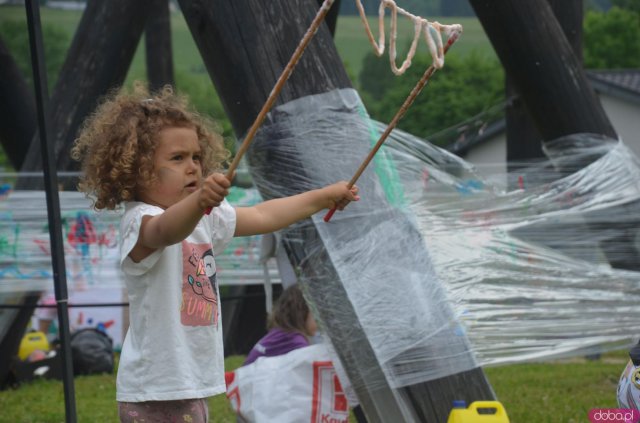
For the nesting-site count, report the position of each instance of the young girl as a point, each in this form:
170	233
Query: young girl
160	159
290	325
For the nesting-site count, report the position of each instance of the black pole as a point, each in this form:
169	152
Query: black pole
53	201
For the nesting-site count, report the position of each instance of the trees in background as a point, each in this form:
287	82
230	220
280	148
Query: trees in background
464	87
470	85
16	37
612	38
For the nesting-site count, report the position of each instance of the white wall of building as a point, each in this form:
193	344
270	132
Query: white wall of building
490	156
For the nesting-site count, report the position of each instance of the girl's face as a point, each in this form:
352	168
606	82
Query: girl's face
177	167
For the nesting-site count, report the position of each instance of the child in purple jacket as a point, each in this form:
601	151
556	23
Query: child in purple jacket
290	325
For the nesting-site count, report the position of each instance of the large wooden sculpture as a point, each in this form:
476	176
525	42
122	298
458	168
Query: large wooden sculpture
245	47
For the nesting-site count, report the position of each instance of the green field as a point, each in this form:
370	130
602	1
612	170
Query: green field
352	42
556	392
350	39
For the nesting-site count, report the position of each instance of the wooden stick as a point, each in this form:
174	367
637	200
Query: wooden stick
399	114
286	73
284	76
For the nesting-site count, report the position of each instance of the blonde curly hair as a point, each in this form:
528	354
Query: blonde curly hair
116	144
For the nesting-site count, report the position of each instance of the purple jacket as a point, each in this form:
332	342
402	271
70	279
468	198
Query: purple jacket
276	342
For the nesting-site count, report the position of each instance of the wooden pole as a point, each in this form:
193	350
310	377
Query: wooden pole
279	85
332	17
98	60
17	110
542	67
394	121
553	86
524	141
159	54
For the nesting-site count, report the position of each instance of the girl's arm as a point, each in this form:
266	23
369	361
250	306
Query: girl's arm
179	220
273	215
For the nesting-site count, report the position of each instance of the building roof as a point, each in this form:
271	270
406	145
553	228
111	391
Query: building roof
623	83
620	83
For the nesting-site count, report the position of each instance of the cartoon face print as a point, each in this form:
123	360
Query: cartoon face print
206	288
199	305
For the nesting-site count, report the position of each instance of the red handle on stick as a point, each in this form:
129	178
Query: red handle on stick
327	217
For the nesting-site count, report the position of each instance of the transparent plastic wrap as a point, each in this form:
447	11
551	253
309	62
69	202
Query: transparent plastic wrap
438	270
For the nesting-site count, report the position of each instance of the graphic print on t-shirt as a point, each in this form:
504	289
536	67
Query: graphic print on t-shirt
199	287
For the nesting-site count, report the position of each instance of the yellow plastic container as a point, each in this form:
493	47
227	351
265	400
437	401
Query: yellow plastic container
32	341
471	414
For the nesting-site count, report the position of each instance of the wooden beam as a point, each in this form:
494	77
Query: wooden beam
260	55
543	68
98	60
332	17
159	53
17	110
524	141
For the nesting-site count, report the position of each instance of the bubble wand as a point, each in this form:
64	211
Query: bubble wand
399	114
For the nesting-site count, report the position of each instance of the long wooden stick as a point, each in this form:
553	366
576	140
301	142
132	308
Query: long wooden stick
399	114
286	73
284	76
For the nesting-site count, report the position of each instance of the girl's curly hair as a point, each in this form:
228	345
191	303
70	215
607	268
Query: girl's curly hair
116	144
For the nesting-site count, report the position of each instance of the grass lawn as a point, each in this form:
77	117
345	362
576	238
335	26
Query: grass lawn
560	391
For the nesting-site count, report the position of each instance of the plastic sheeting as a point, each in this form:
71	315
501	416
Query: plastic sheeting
439	269
444	269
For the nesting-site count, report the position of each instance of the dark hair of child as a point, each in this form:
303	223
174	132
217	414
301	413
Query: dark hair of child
290	311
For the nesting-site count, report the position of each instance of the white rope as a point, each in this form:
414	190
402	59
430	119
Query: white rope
420	25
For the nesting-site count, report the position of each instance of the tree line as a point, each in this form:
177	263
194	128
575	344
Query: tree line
417	7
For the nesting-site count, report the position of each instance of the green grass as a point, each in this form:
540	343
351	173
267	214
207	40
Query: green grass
560	391
42	401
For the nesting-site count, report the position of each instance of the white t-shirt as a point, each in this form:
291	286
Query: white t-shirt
173	349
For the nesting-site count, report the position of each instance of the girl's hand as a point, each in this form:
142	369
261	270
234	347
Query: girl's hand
339	195
214	189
